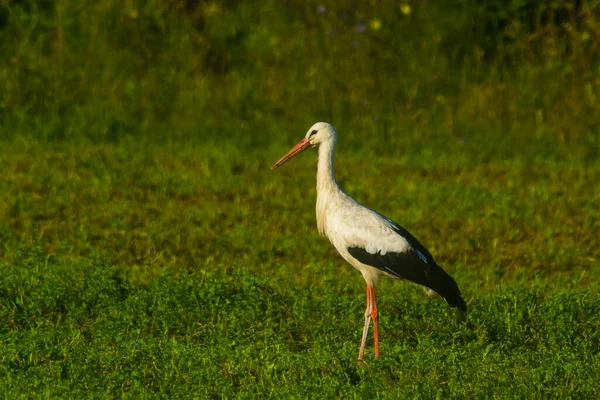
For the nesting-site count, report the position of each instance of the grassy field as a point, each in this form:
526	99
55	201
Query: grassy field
148	251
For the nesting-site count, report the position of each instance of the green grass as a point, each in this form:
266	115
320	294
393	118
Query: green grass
79	328
158	272
147	250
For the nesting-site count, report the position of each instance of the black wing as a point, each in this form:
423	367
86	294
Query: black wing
416	265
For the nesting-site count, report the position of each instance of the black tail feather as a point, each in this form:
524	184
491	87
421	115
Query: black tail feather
446	287
410	265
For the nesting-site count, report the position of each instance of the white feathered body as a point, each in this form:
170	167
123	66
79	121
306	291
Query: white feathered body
347	223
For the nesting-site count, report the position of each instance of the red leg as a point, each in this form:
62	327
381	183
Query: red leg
375	316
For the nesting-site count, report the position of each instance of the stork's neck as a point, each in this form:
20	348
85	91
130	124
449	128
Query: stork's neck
327	189
325	178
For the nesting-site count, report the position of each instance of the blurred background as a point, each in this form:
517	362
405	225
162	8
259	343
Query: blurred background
444	71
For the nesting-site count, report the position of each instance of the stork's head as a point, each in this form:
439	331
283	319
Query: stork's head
319	133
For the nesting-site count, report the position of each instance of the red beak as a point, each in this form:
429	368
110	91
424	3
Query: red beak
294	151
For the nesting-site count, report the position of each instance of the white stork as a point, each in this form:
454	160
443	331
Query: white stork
371	242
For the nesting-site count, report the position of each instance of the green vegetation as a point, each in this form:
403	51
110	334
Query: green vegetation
146	249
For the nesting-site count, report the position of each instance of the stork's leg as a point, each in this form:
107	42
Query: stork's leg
375	316
363	342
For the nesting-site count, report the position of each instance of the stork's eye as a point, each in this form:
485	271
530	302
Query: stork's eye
313	133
